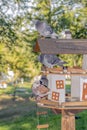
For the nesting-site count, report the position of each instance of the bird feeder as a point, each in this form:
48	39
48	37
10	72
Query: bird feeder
58	100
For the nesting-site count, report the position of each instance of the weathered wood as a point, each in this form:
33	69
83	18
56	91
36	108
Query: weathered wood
68	120
75	104
66	108
84	63
69	71
48	102
62	46
42	126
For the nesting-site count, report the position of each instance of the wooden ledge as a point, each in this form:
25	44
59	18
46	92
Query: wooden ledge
48	102
70	71
75	104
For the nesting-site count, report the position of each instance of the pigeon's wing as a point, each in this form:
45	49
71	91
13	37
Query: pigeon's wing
48	29
41	58
54	60
50	60
58	61
48	57
47	61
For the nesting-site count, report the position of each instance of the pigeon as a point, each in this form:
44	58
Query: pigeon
39	90
44	29
50	60
44	81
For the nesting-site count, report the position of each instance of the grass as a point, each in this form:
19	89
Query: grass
21	113
10	89
29	122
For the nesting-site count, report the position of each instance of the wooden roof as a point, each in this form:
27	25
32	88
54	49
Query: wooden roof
61	46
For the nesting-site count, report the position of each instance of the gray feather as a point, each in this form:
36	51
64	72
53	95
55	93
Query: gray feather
50	60
44	29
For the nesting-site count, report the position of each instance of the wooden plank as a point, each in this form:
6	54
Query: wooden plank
76	70
42	126
69	70
63	106
74	108
75	104
47	106
48	102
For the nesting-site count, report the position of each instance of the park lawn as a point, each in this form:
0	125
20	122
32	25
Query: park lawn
29	122
21	115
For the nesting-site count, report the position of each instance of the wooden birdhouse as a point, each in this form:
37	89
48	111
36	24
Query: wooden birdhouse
57	99
56	84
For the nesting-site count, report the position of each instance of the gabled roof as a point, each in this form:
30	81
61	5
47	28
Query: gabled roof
61	46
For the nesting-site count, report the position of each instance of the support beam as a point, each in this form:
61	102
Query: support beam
84	64
68	120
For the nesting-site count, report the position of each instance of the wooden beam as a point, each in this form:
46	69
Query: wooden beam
75	104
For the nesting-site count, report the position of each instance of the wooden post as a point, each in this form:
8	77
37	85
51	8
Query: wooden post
84	64
68	120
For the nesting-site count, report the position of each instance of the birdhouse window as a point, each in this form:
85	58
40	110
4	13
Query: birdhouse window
84	97
55	96
59	84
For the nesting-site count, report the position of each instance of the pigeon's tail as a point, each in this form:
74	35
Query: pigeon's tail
54	35
62	63
59	62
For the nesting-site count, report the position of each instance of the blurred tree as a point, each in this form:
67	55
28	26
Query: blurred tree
16	39
18	34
